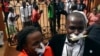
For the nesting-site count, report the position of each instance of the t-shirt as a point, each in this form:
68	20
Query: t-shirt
9	16
35	16
6	8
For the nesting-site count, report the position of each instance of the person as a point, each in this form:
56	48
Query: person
30	43
80	6
68	5
63	45
59	9
92	18
12	18
51	17
5	7
25	14
34	3
36	14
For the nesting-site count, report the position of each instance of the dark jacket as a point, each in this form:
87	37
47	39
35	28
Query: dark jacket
57	43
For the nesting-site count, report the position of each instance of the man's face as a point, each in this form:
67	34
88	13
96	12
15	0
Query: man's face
24	4
74	26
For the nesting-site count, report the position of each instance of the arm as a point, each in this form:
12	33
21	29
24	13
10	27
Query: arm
22	14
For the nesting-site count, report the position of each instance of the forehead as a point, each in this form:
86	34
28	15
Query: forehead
34	36
78	21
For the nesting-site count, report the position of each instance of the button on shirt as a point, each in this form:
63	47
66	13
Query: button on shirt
75	49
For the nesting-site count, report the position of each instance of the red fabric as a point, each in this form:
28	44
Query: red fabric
6	4
23	53
48	51
35	16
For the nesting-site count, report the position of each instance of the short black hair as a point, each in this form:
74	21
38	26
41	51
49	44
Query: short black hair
22	36
11	9
36	7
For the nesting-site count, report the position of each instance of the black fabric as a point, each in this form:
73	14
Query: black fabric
82	7
6	16
36	24
57	43
12	19
94	32
92	48
52	22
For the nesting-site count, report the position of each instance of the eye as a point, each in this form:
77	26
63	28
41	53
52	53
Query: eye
36	43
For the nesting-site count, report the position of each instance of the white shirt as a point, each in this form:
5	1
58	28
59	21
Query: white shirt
68	6
8	20
77	48
25	12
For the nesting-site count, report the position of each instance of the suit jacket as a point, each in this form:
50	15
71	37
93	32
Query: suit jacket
91	48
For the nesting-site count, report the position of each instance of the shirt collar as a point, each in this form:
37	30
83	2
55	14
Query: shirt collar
80	42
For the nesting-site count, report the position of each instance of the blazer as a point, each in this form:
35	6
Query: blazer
91	48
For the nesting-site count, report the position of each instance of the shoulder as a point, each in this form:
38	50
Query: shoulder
59	36
22	54
56	38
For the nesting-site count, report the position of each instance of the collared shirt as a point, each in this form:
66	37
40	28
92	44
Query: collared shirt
77	48
25	12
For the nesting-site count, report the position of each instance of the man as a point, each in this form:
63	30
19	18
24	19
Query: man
25	14
51	15
62	45
80	6
59	9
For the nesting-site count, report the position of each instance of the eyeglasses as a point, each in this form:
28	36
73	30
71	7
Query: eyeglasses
74	28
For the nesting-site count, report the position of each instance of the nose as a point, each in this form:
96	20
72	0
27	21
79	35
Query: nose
76	32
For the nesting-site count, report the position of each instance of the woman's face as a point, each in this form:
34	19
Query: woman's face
33	41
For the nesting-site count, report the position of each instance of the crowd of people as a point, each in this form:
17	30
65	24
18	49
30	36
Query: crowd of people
82	27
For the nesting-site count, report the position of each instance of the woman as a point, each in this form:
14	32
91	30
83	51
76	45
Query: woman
30	43
92	17
36	15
